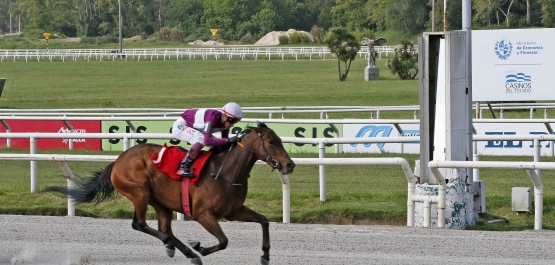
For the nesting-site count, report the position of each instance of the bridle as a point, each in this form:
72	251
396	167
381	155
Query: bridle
268	159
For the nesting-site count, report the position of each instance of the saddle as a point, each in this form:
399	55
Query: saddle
167	161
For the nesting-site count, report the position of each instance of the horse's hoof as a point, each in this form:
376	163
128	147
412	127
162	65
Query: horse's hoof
264	261
194	244
196	261
170	250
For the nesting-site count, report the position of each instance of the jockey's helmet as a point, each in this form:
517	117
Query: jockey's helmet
233	110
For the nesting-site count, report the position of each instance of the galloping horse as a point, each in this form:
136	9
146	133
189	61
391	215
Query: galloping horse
134	175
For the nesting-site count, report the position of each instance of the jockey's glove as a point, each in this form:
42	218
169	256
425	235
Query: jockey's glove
232	139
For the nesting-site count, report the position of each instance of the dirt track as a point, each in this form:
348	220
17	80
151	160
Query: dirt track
77	240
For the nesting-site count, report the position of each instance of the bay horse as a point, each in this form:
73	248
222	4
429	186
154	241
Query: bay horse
134	175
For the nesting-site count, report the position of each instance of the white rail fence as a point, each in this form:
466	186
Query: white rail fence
129	137
286	187
283	111
532	168
219	53
322	162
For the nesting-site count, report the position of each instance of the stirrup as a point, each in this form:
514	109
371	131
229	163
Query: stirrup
184	174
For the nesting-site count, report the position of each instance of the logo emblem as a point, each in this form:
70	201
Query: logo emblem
373	131
503	49
518	77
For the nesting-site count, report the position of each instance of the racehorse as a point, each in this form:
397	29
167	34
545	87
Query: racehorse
134	176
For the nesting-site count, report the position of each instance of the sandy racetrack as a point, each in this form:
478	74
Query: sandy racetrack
78	240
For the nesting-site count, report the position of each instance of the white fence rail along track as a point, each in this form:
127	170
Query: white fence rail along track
322	162
229	53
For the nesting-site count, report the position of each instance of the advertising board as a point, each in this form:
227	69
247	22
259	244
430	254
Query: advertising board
511	148
49	126
380	131
495	148
141	127
283	130
512	64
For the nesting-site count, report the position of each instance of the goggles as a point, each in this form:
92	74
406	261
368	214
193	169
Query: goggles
232	120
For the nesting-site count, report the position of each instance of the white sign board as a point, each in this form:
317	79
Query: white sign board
495	148
380	131
513	64
511	148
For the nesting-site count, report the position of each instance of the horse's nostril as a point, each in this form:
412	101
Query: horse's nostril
290	166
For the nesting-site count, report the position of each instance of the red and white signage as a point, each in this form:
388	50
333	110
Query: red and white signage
24	126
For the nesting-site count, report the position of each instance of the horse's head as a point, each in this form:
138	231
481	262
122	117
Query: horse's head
267	147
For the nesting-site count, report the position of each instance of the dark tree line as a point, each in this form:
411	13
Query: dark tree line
236	19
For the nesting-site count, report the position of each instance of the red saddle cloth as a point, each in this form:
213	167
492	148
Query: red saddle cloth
168	159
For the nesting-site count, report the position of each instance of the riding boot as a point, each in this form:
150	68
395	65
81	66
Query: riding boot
185	167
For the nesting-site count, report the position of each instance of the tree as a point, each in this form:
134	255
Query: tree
454	15
349	14
484	11
378	10
506	14
405	61
408	15
228	15
185	15
266	19
548	8
344	45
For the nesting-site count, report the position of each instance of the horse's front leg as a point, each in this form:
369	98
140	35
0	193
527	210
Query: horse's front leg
245	214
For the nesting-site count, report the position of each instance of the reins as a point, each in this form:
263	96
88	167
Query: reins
268	158
222	165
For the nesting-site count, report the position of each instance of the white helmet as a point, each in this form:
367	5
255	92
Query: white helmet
233	110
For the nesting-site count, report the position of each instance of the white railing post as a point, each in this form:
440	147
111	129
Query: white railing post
125	143
475	157
286	197
538	199
322	171
32	151
410	202
70	184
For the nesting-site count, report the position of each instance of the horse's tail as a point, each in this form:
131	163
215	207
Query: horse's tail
93	189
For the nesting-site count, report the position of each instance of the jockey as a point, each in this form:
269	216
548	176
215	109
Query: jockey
196	126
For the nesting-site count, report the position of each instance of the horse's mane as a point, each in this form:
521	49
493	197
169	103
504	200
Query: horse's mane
221	148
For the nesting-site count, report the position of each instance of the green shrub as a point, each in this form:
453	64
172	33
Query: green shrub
34	33
171	34
248	38
283	40
318	34
107	39
405	61
359	34
88	40
298	38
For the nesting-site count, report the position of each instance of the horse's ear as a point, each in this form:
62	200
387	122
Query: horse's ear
262	125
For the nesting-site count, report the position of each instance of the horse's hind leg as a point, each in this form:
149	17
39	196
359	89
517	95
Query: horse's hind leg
245	214
165	217
210	223
139	223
